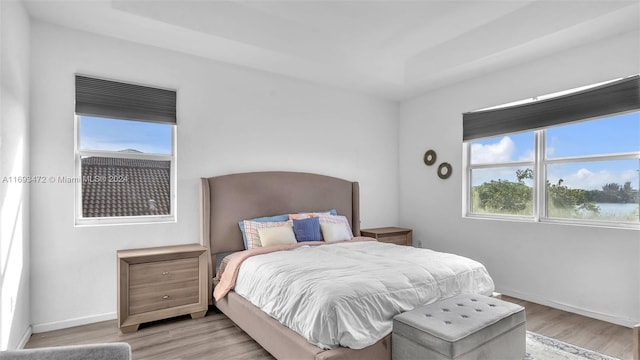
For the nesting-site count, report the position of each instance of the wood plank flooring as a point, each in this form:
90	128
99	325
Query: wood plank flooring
610	339
216	337
211	337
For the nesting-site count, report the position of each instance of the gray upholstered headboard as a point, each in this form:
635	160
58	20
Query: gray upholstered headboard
227	199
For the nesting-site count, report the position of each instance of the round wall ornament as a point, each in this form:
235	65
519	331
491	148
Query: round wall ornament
430	157
444	170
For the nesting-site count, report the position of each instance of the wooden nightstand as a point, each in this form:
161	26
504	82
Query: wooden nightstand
162	282
393	235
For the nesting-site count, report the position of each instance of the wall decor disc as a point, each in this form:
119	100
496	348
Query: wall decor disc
430	157
444	170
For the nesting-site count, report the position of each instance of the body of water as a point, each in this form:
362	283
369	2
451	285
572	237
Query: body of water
623	212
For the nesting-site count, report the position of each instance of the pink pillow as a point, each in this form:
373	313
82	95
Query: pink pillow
301	216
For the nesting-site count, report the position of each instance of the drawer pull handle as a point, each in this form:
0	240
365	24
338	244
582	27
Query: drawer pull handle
165	273
165	297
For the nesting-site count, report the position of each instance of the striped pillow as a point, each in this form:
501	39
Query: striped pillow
251	230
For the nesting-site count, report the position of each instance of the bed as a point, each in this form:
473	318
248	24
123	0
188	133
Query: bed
227	199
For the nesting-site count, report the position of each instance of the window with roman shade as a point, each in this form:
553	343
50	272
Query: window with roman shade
125	152
573	156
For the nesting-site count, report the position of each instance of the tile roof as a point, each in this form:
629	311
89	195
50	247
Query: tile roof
125	187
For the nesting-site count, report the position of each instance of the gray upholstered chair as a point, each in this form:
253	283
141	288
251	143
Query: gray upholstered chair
108	351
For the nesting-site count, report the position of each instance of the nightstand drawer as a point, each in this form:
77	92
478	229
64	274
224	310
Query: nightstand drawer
394	239
163	271
392	235
161	296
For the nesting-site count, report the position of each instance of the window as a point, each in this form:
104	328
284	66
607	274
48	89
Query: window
125	153
574	168
498	170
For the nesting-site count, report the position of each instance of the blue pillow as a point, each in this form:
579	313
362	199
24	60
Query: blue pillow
307	229
275	218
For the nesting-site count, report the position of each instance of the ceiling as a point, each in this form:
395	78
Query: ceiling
393	49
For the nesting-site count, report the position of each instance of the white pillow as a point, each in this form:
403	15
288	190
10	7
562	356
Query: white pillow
335	232
277	235
335	219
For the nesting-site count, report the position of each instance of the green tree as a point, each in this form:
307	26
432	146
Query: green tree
611	187
508	197
627	187
563	197
627	193
503	196
524	174
613	193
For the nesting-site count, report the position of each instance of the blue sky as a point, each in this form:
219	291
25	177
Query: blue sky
115	135
616	134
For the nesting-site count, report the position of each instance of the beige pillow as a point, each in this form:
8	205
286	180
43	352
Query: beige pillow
335	232
277	235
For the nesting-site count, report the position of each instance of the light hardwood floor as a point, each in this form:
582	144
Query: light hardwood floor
216	337
610	339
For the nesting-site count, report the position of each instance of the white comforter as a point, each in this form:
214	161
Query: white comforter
346	294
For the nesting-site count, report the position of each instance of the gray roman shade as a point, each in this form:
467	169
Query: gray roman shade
112	99
611	98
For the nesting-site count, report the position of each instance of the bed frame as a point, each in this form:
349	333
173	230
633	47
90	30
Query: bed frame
227	199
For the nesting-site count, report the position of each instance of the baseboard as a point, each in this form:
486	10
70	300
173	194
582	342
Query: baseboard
636	342
39	328
25	338
595	315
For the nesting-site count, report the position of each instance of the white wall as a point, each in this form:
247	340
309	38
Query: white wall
230	120
593	271
14	162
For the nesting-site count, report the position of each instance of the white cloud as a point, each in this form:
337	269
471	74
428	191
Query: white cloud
493	153
584	174
588	180
550	151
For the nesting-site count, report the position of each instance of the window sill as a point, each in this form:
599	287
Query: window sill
595	224
125	220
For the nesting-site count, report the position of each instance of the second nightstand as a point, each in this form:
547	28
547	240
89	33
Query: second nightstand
393	235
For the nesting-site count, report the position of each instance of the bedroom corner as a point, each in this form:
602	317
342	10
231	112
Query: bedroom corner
547	263
14	163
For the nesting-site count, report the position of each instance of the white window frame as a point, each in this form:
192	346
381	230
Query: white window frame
123	220
467	183
539	166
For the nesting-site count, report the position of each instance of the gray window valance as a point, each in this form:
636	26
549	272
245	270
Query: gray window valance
611	98
112	99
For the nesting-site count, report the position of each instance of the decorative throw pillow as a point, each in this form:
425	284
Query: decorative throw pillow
336	219
251	230
307	215
277	235
335	232
274	218
307	229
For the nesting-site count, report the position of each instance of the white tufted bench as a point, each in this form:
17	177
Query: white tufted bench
462	327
